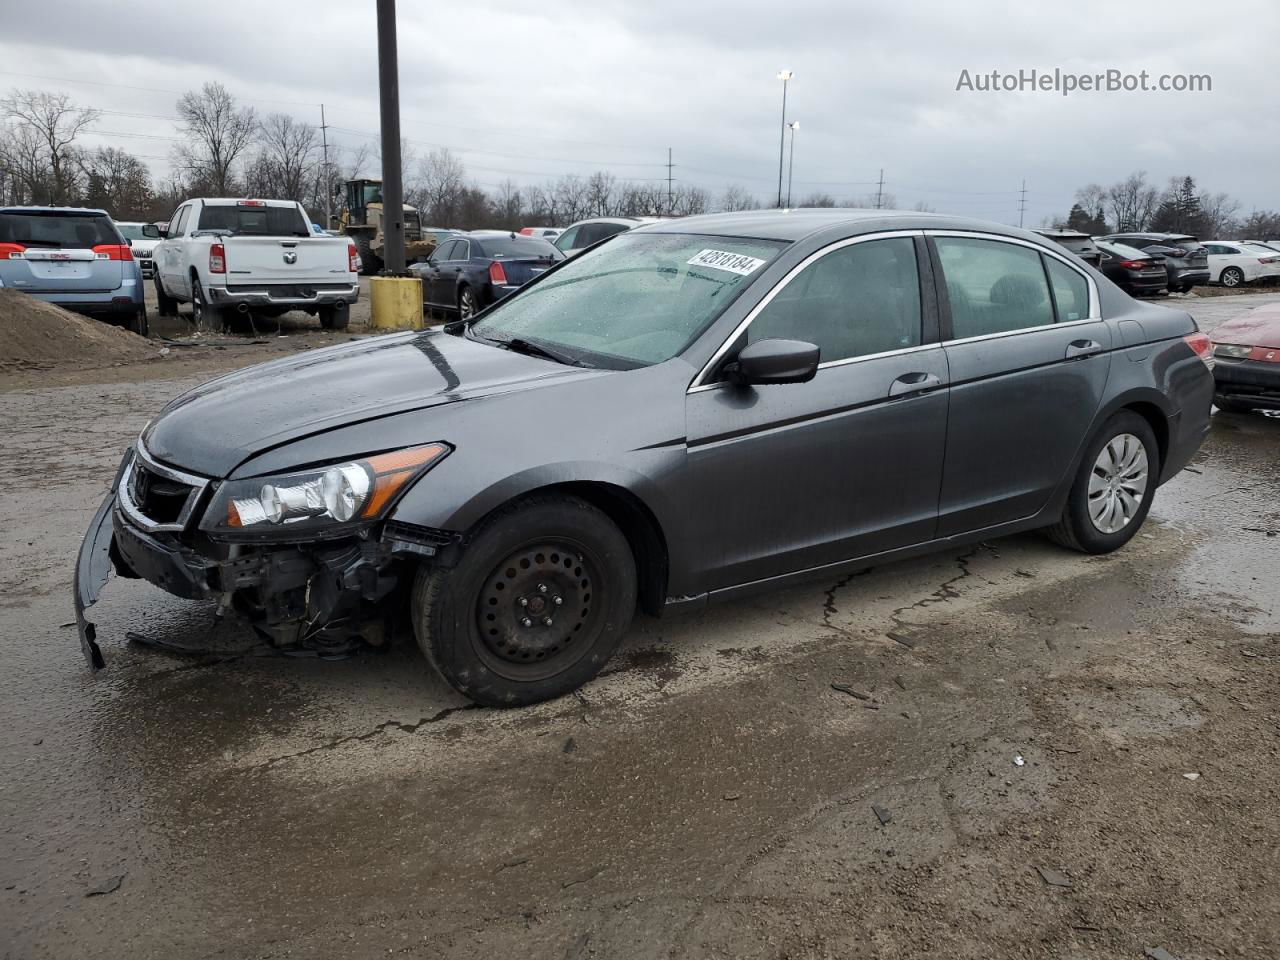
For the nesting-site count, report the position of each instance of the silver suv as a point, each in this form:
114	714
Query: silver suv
75	258
1185	258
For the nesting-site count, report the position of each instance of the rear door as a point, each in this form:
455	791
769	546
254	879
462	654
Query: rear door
1029	356
61	251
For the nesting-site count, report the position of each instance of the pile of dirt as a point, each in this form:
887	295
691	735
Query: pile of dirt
40	335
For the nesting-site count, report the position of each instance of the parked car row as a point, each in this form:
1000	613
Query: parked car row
1135	261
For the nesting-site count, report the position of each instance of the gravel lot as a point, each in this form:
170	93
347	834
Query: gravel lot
710	796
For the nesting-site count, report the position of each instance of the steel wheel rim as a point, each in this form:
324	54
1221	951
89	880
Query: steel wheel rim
519	597
1118	483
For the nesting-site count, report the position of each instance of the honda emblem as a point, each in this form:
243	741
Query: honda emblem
290	257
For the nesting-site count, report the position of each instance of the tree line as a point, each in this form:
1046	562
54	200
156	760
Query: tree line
1135	204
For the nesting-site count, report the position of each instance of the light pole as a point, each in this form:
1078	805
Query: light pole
793	126
784	76
389	104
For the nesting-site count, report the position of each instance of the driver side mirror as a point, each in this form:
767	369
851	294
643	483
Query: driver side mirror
774	361
151	231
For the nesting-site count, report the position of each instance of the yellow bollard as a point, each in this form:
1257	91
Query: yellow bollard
395	303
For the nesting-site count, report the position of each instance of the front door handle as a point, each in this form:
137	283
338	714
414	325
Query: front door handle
912	383
1079	349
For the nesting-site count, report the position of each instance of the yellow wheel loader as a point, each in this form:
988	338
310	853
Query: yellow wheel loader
362	222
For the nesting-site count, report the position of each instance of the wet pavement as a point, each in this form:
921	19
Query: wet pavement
711	795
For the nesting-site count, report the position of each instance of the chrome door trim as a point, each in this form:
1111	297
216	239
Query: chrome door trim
699	382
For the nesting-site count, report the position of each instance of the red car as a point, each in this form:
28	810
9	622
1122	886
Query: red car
1247	355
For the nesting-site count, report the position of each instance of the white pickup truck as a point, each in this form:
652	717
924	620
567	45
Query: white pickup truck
253	258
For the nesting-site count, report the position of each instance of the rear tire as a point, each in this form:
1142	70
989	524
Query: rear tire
468	305
487	644
138	323
1231	277
1077	528
335	317
166	306
205	317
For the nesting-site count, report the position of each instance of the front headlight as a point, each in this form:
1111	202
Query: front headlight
1231	350
313	501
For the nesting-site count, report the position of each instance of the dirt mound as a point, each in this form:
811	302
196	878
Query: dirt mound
38	334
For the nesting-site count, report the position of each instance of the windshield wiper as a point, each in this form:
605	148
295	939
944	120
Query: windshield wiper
528	347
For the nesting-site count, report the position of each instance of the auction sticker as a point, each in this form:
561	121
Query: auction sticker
724	260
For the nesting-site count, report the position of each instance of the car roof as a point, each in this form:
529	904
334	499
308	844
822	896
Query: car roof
88	211
232	201
1064	234
792	225
1153	236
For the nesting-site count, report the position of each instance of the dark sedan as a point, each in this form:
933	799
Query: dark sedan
687	413
470	271
1186	260
1135	271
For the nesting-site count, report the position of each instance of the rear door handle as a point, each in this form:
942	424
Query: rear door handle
1079	349
912	383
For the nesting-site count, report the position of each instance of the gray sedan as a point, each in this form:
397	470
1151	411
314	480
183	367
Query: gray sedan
690	412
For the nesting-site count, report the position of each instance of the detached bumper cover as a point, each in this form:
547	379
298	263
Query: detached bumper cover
93	566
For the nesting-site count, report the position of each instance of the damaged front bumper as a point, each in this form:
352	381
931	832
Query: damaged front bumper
291	593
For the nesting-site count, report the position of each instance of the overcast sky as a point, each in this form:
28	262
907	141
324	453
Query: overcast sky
570	86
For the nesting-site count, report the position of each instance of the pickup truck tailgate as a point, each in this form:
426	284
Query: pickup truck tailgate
253	261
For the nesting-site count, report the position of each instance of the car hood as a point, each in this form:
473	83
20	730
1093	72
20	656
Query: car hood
1259	327
217	426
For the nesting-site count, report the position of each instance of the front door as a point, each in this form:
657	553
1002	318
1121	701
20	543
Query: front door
793	476
1029	360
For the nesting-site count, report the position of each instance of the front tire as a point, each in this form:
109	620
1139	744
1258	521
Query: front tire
1113	489
166	306
539	601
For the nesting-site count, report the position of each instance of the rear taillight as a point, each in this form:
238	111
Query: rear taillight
1176	252
217	258
112	251
526	231
11	251
353	258
1202	346
496	273
1134	264
1269	260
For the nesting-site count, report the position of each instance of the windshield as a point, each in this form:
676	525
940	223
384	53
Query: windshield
520	247
638	299
130	231
48	228
255	221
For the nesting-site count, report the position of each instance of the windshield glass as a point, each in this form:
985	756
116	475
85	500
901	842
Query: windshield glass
504	247
638	299
49	228
255	221
130	231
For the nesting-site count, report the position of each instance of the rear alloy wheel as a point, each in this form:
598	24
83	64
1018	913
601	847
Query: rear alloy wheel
467	305
540	599
1113	488
1231	277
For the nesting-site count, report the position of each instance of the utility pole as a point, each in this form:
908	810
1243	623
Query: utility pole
785	76
794	125
669	179
880	189
389	103
1022	202
325	179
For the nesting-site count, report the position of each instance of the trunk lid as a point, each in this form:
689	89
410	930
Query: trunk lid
252	261
521	270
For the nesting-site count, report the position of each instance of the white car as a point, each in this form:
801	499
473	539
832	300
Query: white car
1236	262
142	239
257	257
586	232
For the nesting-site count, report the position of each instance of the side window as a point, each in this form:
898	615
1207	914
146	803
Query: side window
568	239
993	287
445	252
461	250
178	226
855	301
1070	291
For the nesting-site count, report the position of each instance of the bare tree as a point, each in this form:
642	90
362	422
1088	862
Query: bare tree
22	158
1132	202
688	201
219	133
508	204
439	186
287	161
54	123
1218	211
118	182
601	199
1092	199
736	197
